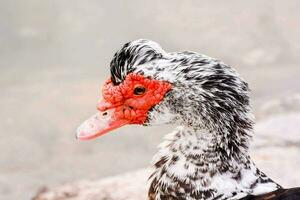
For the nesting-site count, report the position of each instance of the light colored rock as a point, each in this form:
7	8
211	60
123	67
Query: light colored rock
130	186
276	148
289	104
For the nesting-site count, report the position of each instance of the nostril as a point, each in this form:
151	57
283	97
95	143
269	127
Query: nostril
130	107
104	114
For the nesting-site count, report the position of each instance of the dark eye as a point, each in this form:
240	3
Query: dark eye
139	90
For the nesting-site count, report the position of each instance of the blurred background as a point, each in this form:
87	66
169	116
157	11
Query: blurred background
55	54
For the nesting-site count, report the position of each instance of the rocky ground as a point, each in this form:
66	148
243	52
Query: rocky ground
275	149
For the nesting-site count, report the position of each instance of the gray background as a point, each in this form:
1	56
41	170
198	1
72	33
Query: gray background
55	54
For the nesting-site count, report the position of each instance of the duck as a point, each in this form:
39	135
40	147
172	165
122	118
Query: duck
206	157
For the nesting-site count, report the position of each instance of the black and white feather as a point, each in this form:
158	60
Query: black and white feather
206	157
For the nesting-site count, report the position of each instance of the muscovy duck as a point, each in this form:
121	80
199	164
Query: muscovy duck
206	157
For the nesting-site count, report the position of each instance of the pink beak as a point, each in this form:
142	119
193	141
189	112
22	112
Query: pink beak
99	124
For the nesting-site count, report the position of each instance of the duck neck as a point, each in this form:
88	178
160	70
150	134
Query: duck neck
195	164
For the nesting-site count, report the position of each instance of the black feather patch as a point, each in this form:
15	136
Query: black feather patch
281	194
129	56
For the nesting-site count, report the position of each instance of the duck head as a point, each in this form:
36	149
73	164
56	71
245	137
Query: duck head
149	86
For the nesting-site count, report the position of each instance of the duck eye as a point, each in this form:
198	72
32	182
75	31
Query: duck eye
139	90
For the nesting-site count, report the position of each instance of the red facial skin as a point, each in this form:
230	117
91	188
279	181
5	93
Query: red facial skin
128	105
121	106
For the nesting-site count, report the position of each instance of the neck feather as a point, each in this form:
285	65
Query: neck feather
190	165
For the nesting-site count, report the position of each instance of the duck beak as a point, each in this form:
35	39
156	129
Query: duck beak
100	123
